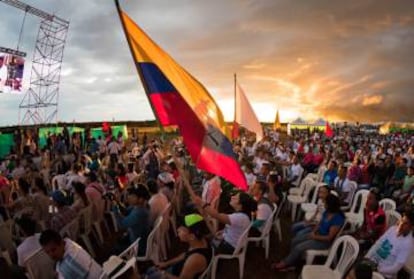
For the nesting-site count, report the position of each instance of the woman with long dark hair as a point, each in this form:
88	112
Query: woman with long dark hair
320	238
236	223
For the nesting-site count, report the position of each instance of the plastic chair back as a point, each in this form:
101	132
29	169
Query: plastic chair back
392	217
40	265
387	204
348	255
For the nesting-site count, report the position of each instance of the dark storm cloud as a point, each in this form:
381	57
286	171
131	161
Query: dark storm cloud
348	60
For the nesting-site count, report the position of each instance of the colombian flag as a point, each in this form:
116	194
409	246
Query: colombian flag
179	99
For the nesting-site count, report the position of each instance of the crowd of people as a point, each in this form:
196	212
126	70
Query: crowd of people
132	182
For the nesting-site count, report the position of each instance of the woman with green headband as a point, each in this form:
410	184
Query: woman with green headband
192	263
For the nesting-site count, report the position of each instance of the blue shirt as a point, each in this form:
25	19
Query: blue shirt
325	224
329	177
137	223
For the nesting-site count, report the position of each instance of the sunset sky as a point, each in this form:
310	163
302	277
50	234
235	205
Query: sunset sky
340	60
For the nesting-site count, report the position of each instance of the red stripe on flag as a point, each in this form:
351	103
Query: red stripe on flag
223	166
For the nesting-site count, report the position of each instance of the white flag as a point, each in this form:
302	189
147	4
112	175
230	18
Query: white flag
245	116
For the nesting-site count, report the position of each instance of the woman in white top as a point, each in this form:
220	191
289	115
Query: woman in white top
235	223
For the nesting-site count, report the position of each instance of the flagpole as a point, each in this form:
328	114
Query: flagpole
234	132
235	81
141	76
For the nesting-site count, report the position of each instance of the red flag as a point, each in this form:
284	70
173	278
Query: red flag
105	127
328	130
235	130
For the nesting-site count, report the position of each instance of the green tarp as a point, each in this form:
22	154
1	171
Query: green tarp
6	142
95	132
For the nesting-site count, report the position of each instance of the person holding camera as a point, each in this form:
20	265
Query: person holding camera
135	220
152	159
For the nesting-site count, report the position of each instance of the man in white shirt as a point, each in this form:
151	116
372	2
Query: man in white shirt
295	170
393	249
344	186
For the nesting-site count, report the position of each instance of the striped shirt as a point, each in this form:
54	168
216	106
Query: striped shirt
77	263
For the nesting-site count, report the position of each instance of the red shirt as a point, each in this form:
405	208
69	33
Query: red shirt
375	221
318	159
4	182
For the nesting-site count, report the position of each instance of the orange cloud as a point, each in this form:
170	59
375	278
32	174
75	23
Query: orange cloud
372	100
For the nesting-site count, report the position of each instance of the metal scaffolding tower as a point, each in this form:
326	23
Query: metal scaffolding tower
40	103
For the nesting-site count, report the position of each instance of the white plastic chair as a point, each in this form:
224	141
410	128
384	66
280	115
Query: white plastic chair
318	177
164	235
296	200
311	254
265	235
391	218
356	215
387	204
207	273
354	188
131	252
40	265
309	208
71	230
299	190
98	230
108	212
152	252
349	254
298	180
239	254
85	216
276	222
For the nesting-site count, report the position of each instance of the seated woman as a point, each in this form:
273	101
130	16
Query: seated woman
135	220
193	262
264	208
275	183
320	238
306	226
236	223
374	221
